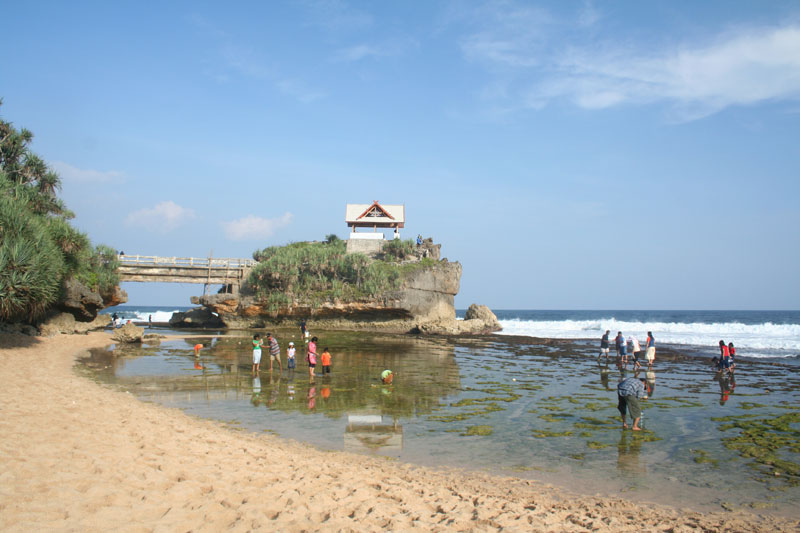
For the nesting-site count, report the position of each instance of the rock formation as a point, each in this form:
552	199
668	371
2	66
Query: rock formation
423	303
128	333
199	317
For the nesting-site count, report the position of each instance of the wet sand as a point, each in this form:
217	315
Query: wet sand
80	456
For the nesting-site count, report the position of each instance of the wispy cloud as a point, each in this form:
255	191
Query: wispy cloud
73	174
389	48
235	60
336	15
253	227
162	218
298	90
539	59
743	68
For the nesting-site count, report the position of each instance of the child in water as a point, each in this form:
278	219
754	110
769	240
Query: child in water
386	377
326	361
290	356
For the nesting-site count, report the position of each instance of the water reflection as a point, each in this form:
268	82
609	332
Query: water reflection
369	432
629	453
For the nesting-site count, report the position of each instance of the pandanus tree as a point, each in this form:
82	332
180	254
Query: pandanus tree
39	248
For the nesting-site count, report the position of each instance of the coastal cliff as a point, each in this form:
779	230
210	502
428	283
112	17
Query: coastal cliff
404	288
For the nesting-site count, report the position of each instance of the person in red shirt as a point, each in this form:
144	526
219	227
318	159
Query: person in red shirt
326	361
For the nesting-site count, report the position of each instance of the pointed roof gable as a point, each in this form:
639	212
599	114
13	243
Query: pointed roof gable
375	215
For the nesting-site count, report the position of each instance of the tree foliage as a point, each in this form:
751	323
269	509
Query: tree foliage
39	248
309	273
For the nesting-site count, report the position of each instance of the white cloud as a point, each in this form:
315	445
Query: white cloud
70	173
747	68
531	52
162	218
253	227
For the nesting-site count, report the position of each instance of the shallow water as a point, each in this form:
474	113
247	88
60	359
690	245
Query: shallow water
529	408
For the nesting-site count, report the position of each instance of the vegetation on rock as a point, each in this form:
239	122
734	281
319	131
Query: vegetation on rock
310	273
39	248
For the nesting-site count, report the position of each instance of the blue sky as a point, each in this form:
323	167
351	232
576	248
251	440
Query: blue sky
571	155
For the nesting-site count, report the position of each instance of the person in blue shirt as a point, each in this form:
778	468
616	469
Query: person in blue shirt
629	392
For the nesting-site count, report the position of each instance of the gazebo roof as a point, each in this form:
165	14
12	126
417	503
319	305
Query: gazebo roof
375	214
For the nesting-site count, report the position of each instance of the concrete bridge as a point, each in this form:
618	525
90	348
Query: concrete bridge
208	271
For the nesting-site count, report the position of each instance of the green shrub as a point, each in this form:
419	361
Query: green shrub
315	272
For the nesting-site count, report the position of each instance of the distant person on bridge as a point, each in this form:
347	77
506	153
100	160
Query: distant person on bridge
274	352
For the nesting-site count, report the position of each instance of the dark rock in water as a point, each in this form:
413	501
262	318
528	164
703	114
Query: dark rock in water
153	338
199	317
128	333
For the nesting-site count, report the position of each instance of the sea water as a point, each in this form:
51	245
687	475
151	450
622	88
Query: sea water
539	408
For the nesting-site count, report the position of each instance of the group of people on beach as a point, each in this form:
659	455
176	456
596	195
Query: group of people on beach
291	354
631	390
726	362
632	346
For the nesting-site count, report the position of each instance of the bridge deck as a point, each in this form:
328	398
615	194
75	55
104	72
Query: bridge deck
209	271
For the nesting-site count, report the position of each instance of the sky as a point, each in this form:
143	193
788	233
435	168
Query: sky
570	155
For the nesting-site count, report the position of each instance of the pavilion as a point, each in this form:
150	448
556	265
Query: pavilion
372	217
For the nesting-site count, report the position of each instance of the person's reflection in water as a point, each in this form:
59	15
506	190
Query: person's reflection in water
255	399
628	453
604	372
274	389
650	377
290	385
326	392
727	383
312	397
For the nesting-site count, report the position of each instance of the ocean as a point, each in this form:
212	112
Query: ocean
756	334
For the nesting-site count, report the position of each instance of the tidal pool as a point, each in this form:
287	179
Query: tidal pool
524	407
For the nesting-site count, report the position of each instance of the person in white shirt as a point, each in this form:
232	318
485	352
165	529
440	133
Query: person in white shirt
635	349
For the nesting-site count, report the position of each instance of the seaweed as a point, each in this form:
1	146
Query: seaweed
541	433
482	431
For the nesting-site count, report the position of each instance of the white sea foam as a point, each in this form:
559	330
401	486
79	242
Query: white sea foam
142	316
751	340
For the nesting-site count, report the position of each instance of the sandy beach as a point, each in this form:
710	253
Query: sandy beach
79	456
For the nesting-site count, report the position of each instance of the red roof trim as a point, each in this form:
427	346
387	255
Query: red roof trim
374	204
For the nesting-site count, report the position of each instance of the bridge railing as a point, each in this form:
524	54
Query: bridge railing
196	262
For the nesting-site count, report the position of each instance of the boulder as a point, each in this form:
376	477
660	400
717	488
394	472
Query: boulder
481	312
128	333
19	329
199	317
65	323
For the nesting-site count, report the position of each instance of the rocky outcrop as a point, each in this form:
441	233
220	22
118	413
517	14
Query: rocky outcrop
199	317
424	303
65	323
129	333
83	303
